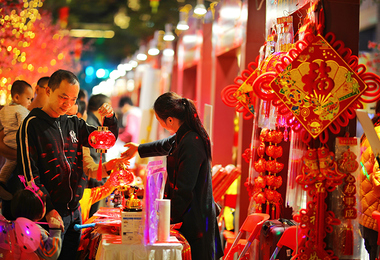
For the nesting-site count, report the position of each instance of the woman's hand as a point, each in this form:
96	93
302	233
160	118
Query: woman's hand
106	110
131	152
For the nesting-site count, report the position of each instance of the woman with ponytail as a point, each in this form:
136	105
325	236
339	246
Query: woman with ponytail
188	185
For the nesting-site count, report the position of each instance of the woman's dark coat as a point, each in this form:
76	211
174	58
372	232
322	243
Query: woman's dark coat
189	188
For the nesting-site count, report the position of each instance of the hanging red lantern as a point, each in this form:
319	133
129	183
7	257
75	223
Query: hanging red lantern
101	139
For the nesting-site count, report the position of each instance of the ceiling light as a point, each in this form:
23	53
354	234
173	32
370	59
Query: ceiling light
169	36
91	33
141	56
200	8
133	63
153	49
182	24
168	52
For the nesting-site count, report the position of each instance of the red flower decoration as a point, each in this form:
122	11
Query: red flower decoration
259	165
270	180
277	136
260	181
247	155
277	182
274	151
261	149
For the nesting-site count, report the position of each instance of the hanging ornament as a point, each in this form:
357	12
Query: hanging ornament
348	164
101	139
320	83
319	175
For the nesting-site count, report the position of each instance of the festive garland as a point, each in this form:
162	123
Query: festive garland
265	185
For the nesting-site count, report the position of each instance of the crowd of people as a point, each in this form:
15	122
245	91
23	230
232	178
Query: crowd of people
50	169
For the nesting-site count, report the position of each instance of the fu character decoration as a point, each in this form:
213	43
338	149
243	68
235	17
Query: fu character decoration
101	139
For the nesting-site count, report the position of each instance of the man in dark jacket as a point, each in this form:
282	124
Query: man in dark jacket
50	152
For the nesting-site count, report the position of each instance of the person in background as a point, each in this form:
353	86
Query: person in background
50	152
189	183
83	95
30	203
94	118
131	121
40	97
82	110
11	117
369	194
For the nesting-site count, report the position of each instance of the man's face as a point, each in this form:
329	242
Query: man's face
61	99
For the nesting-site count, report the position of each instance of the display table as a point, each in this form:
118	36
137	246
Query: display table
111	248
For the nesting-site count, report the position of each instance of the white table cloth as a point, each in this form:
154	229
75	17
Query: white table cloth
111	248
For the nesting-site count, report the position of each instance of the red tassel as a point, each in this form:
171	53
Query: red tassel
99	173
278	210
267	208
349	245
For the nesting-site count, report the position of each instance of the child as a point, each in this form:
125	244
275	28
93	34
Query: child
30	203
11	117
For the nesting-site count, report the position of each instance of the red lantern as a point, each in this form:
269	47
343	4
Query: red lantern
101	139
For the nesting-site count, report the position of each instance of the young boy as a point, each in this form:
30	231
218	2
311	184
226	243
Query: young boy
11	117
50	152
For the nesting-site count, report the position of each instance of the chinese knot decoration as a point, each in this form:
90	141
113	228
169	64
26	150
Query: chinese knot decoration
265	185
319	175
317	86
101	139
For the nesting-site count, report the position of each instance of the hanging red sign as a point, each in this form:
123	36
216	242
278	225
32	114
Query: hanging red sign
317	86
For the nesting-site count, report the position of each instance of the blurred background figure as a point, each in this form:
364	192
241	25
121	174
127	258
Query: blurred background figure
83	95
40	96
130	121
82	110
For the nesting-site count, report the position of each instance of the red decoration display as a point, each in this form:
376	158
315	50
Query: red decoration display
319	175
317	86
265	185
101	139
349	165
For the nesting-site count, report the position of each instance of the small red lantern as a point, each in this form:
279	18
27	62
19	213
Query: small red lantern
101	139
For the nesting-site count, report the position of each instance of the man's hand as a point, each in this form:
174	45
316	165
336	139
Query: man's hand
106	110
